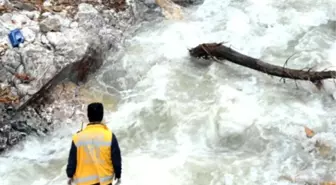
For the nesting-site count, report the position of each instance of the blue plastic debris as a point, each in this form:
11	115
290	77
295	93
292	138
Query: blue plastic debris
16	37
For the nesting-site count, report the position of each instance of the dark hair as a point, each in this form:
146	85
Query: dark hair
95	112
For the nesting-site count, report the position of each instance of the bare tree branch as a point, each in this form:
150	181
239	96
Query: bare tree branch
217	51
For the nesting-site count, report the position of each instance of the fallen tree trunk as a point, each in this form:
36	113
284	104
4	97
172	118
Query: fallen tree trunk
217	51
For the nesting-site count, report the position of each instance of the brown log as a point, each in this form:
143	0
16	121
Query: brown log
217	51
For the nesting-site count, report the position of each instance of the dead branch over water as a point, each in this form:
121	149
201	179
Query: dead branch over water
217	51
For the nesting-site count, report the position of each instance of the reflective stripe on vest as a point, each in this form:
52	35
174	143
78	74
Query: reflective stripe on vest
94	143
92	178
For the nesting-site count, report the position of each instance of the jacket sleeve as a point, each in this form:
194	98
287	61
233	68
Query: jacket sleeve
116	156
72	161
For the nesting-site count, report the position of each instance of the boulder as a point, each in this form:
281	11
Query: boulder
50	24
14	127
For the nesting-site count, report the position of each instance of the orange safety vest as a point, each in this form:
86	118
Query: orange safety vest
94	163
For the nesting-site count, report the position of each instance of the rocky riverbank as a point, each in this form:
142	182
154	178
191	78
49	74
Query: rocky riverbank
63	41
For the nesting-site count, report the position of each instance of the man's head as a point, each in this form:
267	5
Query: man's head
95	112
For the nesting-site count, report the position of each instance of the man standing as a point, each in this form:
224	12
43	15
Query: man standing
95	154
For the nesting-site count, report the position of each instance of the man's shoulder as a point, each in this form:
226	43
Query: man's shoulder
75	135
107	129
109	133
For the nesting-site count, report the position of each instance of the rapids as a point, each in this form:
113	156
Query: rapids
182	124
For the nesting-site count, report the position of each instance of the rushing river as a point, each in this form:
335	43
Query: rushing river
182	124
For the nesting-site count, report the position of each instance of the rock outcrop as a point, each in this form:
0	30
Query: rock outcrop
63	40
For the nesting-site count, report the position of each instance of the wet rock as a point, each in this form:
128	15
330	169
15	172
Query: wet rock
5	128
50	24
3	143
147	10
15	137
188	2
7	135
20	126
14	126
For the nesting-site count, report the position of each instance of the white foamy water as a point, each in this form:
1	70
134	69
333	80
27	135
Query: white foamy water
181	124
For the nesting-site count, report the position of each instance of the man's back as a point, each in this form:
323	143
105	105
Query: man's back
94	161
95	142
94	155
94	151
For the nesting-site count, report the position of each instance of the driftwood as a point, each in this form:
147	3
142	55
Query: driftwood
217	51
